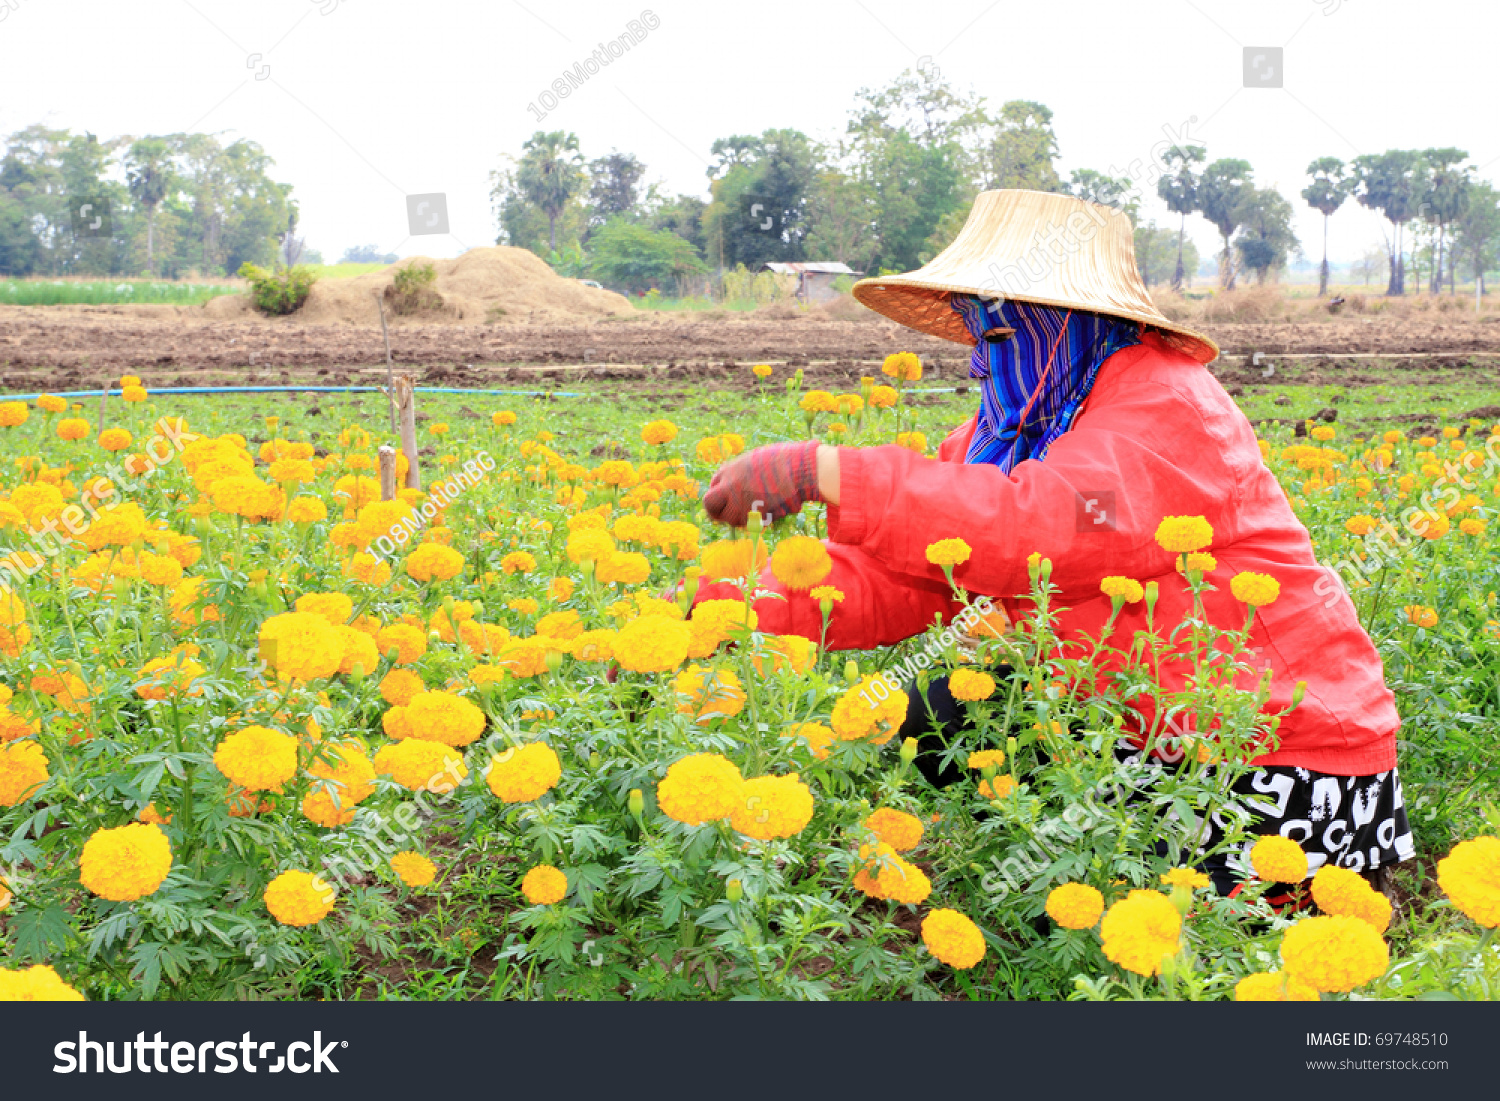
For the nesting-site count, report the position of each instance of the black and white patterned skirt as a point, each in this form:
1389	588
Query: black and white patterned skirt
1353	822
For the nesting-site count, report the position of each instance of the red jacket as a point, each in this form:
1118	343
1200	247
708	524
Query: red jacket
1160	434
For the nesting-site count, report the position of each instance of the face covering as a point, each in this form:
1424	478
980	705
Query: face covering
1026	403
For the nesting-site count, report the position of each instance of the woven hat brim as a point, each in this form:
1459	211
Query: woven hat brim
923	305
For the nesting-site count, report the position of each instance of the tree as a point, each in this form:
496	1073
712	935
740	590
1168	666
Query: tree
1155	248
1020	147
841	211
1222	193
1265	237
148	173
634	258
1330	185
1178	188
1444	199
682	215
614	185
1096	187
550	174
1477	232
1370	266
760	188
1391	182
367	254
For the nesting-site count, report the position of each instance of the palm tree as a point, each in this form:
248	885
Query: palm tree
1330	186
1180	192
551	174
148	172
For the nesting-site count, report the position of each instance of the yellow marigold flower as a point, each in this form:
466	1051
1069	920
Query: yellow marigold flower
622	568
133	393
817	736
23	770
1420	615
987	758
1362	524
169	676
151	816
420	765
413	869
349	776
336	608
700	788
301	645
503	417
544	885
1323	432
1432	525
1126	589
761	370
969	684
1470	876
771	807
652	644
1075	905
1184	534
113	439
560	589
1278	859
1473	525
595	646
257	758
708	694
1190	878
523	605
818	401
527	657
659	432
872	709
786	652
800	562
125	863
367	569
525	773
883	397
1257	589
74	428
949	552
13	413
589	545
38	983
953	938
51	403
564	625
399	686
434	561
731	559
826	592
912	441
899	830
1273	986
299	898
522	562
438	717
1334	953
884	874
1345	893
1139	930
903	365
409	642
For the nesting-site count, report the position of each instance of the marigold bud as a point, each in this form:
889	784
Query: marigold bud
851	671
1298	692
734	890
637	802
908	750
554	660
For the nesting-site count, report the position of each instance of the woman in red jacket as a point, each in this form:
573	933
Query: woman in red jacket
1097	419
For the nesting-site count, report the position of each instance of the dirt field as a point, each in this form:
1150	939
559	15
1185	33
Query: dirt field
75	347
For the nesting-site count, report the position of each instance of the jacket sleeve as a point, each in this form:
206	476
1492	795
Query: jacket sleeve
1092	506
879	607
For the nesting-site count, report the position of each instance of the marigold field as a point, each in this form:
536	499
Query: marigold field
244	754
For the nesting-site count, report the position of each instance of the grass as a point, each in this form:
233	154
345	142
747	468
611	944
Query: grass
109	292
345	271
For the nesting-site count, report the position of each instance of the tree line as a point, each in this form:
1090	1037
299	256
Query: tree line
163	206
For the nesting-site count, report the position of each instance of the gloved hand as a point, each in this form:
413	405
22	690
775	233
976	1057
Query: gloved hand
775	480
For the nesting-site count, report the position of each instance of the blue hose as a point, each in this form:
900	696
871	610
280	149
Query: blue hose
291	389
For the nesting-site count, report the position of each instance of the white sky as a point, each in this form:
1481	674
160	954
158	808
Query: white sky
367	100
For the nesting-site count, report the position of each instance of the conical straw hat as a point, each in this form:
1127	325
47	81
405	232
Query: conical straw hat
1030	246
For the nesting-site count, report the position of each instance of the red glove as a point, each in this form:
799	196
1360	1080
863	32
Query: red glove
775	481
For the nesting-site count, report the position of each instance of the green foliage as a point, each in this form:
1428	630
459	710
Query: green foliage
411	290
280	291
62	292
632	258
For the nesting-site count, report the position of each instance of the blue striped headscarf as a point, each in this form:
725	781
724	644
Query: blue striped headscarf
1012	370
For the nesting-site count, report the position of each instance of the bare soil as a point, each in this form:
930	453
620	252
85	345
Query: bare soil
77	347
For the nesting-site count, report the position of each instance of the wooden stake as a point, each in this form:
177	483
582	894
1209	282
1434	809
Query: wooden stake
390	370
387	472
103	404
406	409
